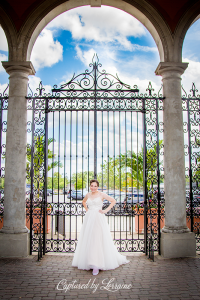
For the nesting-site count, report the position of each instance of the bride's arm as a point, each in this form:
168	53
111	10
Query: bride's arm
112	203
84	202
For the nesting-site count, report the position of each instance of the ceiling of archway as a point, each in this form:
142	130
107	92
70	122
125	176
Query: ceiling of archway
171	10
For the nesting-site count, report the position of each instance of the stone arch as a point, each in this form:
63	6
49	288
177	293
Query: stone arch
144	12
189	18
9	30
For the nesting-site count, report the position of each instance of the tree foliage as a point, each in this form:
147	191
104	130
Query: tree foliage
38	161
81	179
126	170
57	181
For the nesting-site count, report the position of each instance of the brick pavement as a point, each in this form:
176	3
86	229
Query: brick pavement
162	279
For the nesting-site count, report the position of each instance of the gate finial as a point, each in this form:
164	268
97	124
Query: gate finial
95	59
193	90
150	88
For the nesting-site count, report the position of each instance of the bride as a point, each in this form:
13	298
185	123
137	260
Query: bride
95	249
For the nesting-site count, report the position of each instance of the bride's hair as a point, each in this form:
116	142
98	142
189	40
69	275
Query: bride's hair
94	180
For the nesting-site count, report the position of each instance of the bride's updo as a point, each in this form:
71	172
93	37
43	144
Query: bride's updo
94	180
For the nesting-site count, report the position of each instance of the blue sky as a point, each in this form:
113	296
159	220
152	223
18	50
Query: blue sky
124	46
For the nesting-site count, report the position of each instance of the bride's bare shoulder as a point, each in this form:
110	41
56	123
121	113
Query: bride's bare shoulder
102	195
87	196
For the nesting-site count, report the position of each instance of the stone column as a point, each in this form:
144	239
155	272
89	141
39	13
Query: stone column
14	236
176	239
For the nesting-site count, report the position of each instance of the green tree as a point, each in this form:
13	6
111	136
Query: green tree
196	165
1	183
49	183
132	166
152	164
38	161
58	181
121	172
111	175
126	170
80	179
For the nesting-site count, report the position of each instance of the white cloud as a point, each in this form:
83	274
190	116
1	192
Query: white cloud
191	74
135	47
3	57
79	153
104	24
46	51
108	57
34	82
134	71
3	88
141	83
3	44
193	33
85	56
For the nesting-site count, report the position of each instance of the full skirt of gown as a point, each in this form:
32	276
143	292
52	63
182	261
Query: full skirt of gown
95	248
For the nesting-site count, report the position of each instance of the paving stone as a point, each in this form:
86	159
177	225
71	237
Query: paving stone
164	279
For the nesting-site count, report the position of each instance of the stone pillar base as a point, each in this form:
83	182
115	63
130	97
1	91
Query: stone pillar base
14	244
174	245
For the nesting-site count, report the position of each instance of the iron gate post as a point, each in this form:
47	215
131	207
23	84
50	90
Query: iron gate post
145	179
158	175
45	177
31	175
190	166
95	120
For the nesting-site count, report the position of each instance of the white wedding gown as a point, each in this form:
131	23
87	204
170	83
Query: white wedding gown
95	248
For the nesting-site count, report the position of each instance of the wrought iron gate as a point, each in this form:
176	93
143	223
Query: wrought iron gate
3	129
94	126
191	126
54	220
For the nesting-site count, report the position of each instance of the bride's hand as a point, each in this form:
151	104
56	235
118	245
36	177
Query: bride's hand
102	211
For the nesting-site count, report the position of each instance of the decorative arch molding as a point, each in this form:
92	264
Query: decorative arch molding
21	43
189	18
